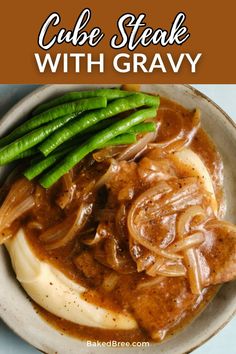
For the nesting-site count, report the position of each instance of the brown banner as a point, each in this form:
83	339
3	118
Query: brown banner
211	43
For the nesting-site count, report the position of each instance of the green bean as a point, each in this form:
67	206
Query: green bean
76	107
93	143
27	153
122	139
42	164
143	128
11	151
80	138
90	119
101	125
110	94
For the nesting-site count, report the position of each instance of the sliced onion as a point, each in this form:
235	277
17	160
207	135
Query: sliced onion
18	201
152	193
40	196
150	170
35	225
57	237
180	140
188	242
190	254
100	235
88	190
164	268
112	257
165	143
132	151
10	179
172	270
204	268
176	206
147	244
144	262
185	219
194	272
57	231
110	281
108	153
177	136
174	201
150	283
153	269
113	168
67	193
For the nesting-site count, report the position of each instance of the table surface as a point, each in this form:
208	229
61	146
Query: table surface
225	341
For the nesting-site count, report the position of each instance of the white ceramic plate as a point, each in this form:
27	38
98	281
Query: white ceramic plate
17	311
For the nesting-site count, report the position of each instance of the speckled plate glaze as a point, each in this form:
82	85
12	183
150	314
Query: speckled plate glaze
17	311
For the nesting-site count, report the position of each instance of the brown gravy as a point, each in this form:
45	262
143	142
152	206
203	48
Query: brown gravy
126	293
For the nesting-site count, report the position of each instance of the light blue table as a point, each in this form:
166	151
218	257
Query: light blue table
225	341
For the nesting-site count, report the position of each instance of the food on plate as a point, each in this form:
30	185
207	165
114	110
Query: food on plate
113	219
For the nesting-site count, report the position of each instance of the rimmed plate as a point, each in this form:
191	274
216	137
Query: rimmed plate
16	309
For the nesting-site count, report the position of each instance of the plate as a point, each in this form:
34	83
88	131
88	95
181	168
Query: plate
16	309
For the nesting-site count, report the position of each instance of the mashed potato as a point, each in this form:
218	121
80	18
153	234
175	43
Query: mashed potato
55	292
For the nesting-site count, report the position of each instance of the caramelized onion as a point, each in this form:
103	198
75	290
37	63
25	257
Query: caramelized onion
18	201
35	225
185	219
165	268
144	263
190	241
100	235
150	170
60	234
66	195
133	151
190	254
181	139
56	232
110	281
147	244
40	196
153	269
113	168
108	152
153	193
112	257
172	270
194	272
176	136
177	200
